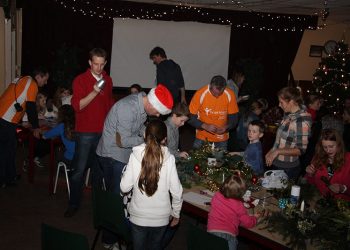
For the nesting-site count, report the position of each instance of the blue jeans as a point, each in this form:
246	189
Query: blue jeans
149	238
85	154
198	143
293	173
231	240
112	173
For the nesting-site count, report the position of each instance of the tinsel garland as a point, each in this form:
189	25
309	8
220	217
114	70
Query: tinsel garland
196	171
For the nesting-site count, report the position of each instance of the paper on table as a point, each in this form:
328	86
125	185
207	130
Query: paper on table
195	198
207	192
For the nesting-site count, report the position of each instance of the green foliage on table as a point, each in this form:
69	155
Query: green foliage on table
196	171
326	226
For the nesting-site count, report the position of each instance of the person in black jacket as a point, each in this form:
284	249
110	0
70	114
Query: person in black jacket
169	74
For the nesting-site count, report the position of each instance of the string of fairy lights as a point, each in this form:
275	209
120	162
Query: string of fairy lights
263	21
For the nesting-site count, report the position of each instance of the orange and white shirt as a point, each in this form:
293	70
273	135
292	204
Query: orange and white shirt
213	110
25	90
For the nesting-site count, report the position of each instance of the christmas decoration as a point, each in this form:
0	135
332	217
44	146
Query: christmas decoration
331	79
300	225
196	171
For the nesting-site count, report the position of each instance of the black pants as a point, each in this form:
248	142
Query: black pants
8	144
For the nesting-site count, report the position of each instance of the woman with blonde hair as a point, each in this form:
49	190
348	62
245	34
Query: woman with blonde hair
152	176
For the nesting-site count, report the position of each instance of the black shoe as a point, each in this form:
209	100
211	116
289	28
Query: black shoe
70	212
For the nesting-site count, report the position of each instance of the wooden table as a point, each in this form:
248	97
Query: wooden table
257	235
26	134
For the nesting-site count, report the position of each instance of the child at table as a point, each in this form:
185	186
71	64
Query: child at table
227	211
179	115
64	129
253	153
151	174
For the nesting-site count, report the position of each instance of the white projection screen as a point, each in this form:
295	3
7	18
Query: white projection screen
201	50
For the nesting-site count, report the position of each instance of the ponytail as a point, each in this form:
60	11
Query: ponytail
153	158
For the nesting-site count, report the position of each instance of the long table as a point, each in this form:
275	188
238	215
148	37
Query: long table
256	235
27	135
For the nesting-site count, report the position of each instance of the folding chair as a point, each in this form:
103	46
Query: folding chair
56	239
108	213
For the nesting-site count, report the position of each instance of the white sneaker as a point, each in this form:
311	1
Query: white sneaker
38	163
111	246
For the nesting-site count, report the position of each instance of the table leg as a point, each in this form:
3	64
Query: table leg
51	166
31	169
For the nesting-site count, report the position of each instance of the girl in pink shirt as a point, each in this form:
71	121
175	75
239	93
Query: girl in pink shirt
227	211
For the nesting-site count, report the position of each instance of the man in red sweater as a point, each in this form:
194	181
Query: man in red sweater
91	104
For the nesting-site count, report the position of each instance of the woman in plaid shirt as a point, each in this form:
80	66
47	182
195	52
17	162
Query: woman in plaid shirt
292	135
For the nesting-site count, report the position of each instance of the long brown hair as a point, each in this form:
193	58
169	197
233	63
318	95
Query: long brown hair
321	157
152	160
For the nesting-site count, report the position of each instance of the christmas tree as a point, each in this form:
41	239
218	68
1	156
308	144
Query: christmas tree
331	79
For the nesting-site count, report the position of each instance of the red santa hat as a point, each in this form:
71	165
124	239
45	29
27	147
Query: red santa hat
161	99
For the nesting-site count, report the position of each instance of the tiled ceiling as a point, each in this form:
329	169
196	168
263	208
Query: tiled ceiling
339	10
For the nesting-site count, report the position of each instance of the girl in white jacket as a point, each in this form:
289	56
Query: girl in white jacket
151	174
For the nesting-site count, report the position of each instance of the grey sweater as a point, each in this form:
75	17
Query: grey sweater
126	117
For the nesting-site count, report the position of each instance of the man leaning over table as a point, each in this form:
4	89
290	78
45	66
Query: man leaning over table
91	105
214	112
123	129
17	99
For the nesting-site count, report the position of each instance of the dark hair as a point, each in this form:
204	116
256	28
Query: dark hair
310	99
264	103
291	93
97	52
136	86
66	116
152	161
57	99
39	70
157	51
237	72
321	157
233	187
218	82
181	109
258	123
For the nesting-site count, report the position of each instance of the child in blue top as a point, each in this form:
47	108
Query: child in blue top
253	153
64	129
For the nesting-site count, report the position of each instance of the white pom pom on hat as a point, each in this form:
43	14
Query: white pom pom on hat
161	99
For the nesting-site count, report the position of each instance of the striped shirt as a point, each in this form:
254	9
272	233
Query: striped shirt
293	132
213	110
25	90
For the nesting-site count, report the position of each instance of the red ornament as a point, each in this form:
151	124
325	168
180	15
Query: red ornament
254	180
196	168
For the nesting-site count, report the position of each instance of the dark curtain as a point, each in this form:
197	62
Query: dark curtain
47	26
274	50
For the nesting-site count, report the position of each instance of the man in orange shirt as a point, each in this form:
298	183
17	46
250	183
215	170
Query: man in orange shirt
214	112
18	98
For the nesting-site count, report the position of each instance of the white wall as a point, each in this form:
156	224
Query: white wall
201	50
304	66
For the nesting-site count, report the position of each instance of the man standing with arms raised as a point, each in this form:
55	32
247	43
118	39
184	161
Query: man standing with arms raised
91	102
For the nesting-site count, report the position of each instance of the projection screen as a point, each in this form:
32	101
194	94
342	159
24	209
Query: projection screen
201	50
